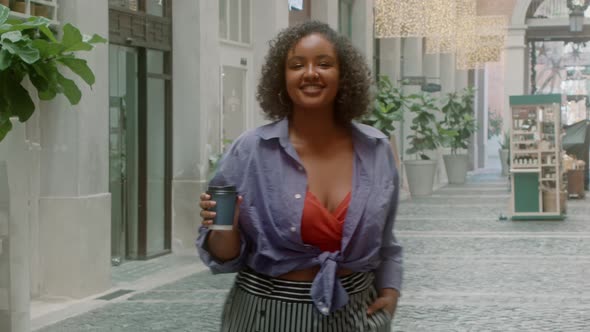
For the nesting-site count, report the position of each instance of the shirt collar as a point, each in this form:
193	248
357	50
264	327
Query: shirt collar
280	129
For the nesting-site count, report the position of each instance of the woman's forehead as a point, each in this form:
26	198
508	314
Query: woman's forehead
313	43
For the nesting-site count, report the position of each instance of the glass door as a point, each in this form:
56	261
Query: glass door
123	151
140	127
233	111
157	152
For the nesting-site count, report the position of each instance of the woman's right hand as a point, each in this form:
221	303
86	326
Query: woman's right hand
206	203
223	245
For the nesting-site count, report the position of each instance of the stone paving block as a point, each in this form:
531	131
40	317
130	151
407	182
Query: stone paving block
484	246
144	317
511	278
489	224
457	317
450	213
464	271
131	271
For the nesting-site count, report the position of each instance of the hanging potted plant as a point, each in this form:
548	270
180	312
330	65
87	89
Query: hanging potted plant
387	109
426	136
458	117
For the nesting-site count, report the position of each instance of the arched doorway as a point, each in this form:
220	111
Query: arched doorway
558	58
537	26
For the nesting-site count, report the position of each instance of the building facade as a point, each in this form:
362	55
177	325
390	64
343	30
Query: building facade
118	176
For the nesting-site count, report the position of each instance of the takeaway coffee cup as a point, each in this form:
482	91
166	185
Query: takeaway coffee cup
225	204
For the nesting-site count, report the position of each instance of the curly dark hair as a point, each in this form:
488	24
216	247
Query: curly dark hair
354	94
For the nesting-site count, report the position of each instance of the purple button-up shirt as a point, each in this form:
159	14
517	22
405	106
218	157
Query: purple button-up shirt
268	173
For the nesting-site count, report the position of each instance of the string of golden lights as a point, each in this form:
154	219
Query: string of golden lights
449	26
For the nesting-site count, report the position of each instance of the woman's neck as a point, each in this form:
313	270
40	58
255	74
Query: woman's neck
313	125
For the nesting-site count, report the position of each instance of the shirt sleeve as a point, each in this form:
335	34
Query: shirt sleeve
228	173
215	265
389	273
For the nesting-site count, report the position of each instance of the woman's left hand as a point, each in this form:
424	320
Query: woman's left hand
387	300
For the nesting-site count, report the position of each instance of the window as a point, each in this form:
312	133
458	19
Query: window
161	8
234	21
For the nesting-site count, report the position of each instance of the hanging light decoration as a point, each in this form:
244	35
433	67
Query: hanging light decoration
449	20
401	18
450	26
484	43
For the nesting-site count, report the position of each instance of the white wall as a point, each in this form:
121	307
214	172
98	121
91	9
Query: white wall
270	17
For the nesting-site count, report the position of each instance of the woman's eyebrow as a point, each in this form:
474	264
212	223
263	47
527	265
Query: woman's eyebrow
299	57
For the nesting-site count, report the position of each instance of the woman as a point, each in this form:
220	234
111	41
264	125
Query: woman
312	239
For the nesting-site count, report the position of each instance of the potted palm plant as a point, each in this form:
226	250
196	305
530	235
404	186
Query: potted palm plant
458	117
387	110
426	136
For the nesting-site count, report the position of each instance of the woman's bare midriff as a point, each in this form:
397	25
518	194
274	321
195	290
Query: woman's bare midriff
309	274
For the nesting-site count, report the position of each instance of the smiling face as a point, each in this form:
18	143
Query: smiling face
312	73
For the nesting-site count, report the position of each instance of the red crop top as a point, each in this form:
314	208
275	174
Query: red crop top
320	227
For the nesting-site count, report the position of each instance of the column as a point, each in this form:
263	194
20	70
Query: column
514	69
74	207
362	28
15	173
196	72
480	136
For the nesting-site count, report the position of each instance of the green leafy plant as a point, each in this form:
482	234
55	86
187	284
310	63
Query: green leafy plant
426	134
495	122
458	118
388	107
505	144
30	49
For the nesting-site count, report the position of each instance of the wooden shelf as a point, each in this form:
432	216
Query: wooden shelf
525	151
525	170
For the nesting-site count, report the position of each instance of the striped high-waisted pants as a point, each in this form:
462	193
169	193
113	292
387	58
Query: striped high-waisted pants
258	303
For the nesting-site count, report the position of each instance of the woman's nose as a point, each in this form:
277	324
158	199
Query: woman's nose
311	72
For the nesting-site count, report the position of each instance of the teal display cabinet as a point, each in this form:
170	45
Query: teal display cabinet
537	176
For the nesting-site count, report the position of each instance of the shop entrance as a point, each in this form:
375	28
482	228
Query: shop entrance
140	111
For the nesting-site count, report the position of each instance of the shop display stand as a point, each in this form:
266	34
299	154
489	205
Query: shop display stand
537	177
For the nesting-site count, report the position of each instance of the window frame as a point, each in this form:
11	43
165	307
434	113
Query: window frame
227	40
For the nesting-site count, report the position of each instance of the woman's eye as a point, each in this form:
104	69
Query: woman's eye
324	65
296	66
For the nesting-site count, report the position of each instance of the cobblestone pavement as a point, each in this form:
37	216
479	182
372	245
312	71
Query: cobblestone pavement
465	271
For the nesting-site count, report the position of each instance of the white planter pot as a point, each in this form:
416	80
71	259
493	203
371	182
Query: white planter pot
456	166
420	174
504	161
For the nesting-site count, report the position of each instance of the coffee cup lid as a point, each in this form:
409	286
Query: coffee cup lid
222	188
